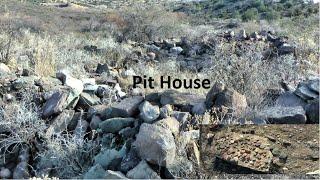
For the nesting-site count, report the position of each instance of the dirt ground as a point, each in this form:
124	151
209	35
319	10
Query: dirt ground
297	144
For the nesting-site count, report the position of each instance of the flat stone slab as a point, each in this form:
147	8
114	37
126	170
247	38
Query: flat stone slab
180	99
126	108
284	115
304	92
244	150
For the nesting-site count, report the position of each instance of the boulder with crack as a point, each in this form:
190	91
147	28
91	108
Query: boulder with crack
155	144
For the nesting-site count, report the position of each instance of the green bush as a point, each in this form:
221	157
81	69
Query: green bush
250	14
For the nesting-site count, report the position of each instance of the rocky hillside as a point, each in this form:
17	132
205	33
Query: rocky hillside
145	93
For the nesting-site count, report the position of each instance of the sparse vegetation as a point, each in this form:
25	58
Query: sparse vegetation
227	41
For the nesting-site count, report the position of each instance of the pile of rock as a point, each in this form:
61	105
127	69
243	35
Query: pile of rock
140	134
279	44
298	107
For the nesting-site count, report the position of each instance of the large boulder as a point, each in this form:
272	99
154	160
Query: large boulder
126	108
289	99
220	96
149	112
233	100
114	125
284	115
142	171
155	144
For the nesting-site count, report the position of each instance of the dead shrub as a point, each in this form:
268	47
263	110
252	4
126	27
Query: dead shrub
144	24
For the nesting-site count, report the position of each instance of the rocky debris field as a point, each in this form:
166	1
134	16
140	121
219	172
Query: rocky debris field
156	135
290	150
194	55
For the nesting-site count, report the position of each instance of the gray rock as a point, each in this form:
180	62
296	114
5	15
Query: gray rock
289	99
155	144
169	43
47	84
211	97
305	93
5	173
128	132
96	172
149	112
153	97
242	34
191	135
176	50
55	104
142	171
312	111
182	117
170	123
118	91
166	111
74	121
129	161
180	99
87	100
114	125
114	175
21	171
286	48
181	168
95	121
108	141
24	83
128	107
60	123
233	100
314	85
103	68
105	157
75	84
99	110
199	109
284	115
